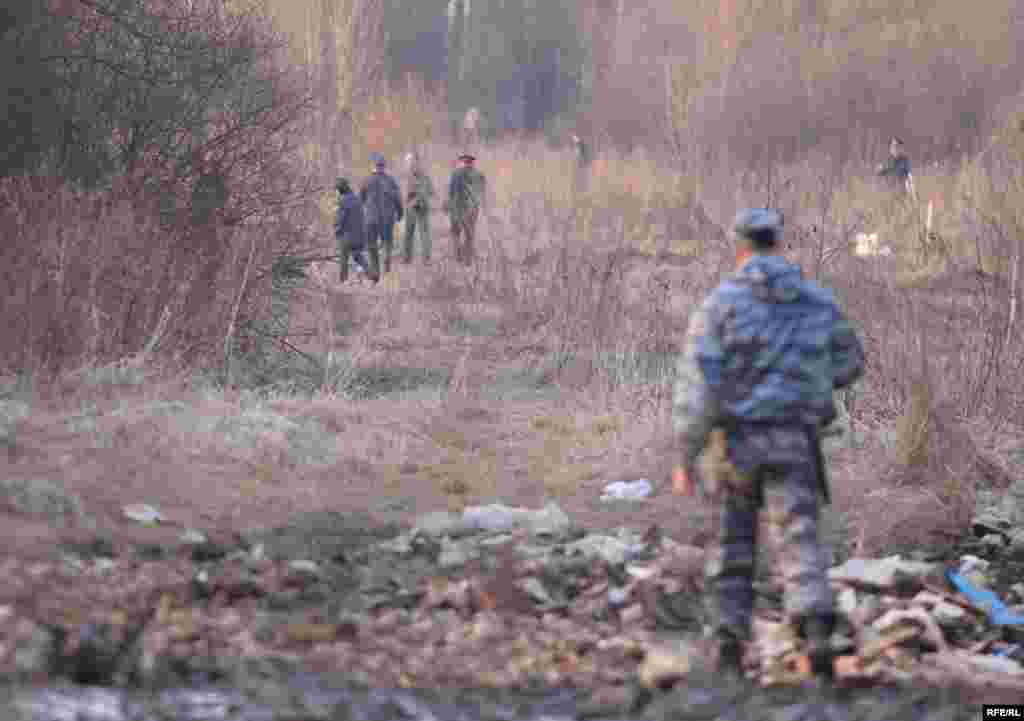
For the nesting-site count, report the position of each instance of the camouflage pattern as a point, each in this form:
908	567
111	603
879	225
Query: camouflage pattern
766	346
417	219
465	198
382	208
763	356
464	237
349	234
779	474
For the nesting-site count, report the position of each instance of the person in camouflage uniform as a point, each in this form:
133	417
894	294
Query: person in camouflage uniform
896	169
764	353
466	191
349	231
382	208
418	198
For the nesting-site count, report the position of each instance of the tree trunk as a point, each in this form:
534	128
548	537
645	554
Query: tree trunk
329	90
1014	290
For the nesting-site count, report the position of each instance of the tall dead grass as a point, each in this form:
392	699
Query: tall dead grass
553	343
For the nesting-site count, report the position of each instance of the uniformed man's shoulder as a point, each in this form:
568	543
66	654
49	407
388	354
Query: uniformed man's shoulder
715	303
730	291
818	294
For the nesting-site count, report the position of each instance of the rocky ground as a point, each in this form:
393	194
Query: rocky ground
520	605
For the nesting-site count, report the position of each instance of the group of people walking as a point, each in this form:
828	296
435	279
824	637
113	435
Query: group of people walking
365	221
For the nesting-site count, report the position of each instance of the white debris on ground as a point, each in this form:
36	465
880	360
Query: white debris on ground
867	245
627	490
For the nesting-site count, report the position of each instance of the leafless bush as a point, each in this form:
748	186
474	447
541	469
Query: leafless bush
176	253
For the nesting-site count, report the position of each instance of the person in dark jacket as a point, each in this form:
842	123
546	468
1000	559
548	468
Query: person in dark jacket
382	208
764	355
896	168
349	232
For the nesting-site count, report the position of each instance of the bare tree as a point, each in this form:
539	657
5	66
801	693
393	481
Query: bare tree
344	41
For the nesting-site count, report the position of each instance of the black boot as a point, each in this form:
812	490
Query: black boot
817	632
726	656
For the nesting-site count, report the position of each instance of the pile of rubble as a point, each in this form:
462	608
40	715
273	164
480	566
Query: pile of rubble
909	620
496	597
640	596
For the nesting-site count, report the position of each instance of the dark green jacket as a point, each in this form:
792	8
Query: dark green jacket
465	192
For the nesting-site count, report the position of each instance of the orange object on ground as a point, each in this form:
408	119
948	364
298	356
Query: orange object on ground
681	484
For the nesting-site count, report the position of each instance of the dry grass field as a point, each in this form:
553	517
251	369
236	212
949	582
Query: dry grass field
543	370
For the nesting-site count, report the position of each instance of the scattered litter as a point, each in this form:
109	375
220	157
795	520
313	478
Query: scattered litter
970	564
661	668
985	600
882	573
996	663
915	616
143	513
868	245
304	567
550	519
1008	650
192	537
618	597
627	490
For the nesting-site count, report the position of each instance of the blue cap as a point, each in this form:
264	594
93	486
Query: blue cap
377	158
758	219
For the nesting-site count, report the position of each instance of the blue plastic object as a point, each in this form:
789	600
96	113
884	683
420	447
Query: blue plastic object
985	600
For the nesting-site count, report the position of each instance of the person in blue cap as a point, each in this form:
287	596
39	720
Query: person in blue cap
764	354
382	208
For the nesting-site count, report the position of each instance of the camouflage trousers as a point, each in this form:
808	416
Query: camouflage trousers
417	222
771	468
464	236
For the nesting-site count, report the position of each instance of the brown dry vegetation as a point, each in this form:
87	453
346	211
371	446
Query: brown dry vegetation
543	369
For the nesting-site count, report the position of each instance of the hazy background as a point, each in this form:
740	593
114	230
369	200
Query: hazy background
167	194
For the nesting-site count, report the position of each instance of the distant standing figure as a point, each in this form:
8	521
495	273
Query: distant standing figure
382	208
581	152
466	191
471	128
418	199
897	167
349	232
